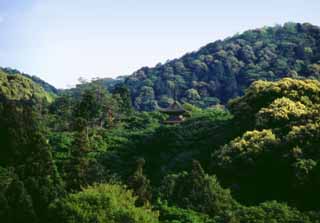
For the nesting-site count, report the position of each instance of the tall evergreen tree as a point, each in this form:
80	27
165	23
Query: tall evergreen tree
76	167
140	185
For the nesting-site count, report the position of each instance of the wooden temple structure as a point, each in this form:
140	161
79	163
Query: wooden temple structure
176	113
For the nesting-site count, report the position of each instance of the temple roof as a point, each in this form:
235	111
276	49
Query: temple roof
174	108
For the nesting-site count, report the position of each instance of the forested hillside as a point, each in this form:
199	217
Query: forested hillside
90	157
46	86
20	88
223	69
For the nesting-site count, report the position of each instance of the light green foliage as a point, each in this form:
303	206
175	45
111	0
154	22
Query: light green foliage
192	109
18	87
46	86
262	93
303	168
248	148
281	111
303	135
192	94
284	149
274	104
104	203
178	215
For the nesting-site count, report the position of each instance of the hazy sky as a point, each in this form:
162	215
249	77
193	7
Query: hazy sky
61	40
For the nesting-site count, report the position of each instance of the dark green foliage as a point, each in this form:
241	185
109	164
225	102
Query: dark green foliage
170	147
20	205
76	168
96	107
197	191
222	70
91	102
122	95
271	212
140	184
16	204
25	150
84	115
267	212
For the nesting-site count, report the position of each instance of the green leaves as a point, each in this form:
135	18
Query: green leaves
18	87
247	149
280	112
224	69
101	203
197	191
276	156
140	185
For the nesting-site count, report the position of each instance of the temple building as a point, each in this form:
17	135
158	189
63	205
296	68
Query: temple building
176	113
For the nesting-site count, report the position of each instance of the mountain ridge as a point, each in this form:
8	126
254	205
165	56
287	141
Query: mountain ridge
223	69
220	70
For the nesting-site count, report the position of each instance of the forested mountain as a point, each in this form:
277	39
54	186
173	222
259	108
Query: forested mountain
87	155
256	161
222	70
29	179
46	86
20	88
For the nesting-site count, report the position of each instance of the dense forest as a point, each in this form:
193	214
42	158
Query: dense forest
91	154
222	70
46	86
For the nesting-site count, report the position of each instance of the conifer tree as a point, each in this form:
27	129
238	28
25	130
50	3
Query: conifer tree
76	168
140	185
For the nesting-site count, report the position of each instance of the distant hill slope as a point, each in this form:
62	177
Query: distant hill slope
224	69
110	83
20	88
46	86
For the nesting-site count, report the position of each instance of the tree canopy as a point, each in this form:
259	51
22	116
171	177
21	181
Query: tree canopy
223	69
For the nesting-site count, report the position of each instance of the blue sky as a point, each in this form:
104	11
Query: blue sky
61	40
